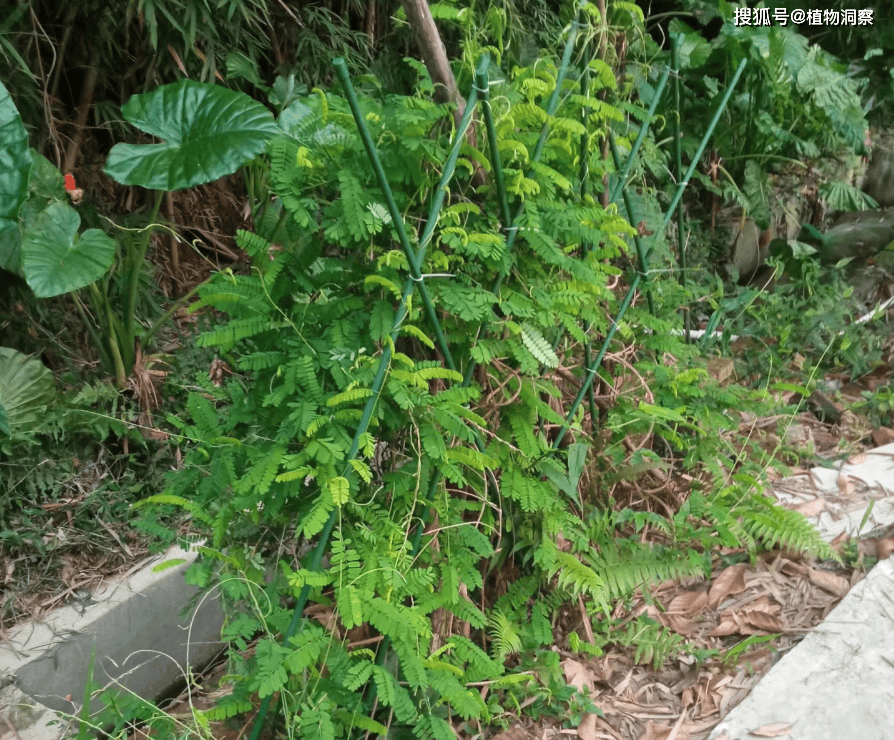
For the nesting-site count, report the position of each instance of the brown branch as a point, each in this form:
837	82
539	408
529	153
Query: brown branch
87	92
434	55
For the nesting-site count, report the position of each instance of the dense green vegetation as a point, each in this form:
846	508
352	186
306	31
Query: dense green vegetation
453	395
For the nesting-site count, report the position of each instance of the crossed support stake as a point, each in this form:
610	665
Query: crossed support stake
416	279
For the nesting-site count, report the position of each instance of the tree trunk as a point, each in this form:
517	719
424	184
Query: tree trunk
434	55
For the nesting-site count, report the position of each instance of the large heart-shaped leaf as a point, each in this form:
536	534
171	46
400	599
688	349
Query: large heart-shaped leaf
303	120
10	246
26	391
208	132
55	260
15	169
15	160
45	185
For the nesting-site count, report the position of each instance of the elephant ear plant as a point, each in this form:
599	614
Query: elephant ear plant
207	132
27	390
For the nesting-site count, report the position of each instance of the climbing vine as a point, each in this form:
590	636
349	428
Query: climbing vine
453	477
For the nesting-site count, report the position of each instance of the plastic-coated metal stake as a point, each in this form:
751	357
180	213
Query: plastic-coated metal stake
584	179
705	139
414	259
640	137
481	81
676	42
637	242
482	85
535	157
628	299
450	164
621	185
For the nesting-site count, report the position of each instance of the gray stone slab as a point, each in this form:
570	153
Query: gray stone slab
838	682
853	497
145	633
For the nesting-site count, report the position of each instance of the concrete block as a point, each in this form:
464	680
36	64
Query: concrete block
145	634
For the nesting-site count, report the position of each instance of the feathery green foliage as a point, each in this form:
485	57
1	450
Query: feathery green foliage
450	482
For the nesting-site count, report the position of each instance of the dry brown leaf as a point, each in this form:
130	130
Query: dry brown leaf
654	731
721	368
811	508
218	371
774	729
845	485
840	540
868	547
581	677
577	674
762	621
730	581
325	615
726	627
622	687
688	603
680	624
830	582
514	733
764	603
586	730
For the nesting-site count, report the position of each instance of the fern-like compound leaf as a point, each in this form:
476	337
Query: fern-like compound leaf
538	346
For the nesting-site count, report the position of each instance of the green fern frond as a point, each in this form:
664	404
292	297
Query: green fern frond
538	346
579	578
306	375
384	282
169	499
360	721
417	333
467	703
505	639
470	457
314	578
204	414
316	519
401	623
349	396
432	727
235	331
552	176
254	244
316	722
227	707
353	205
256	361
531	493
638	565
775	526
261	474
